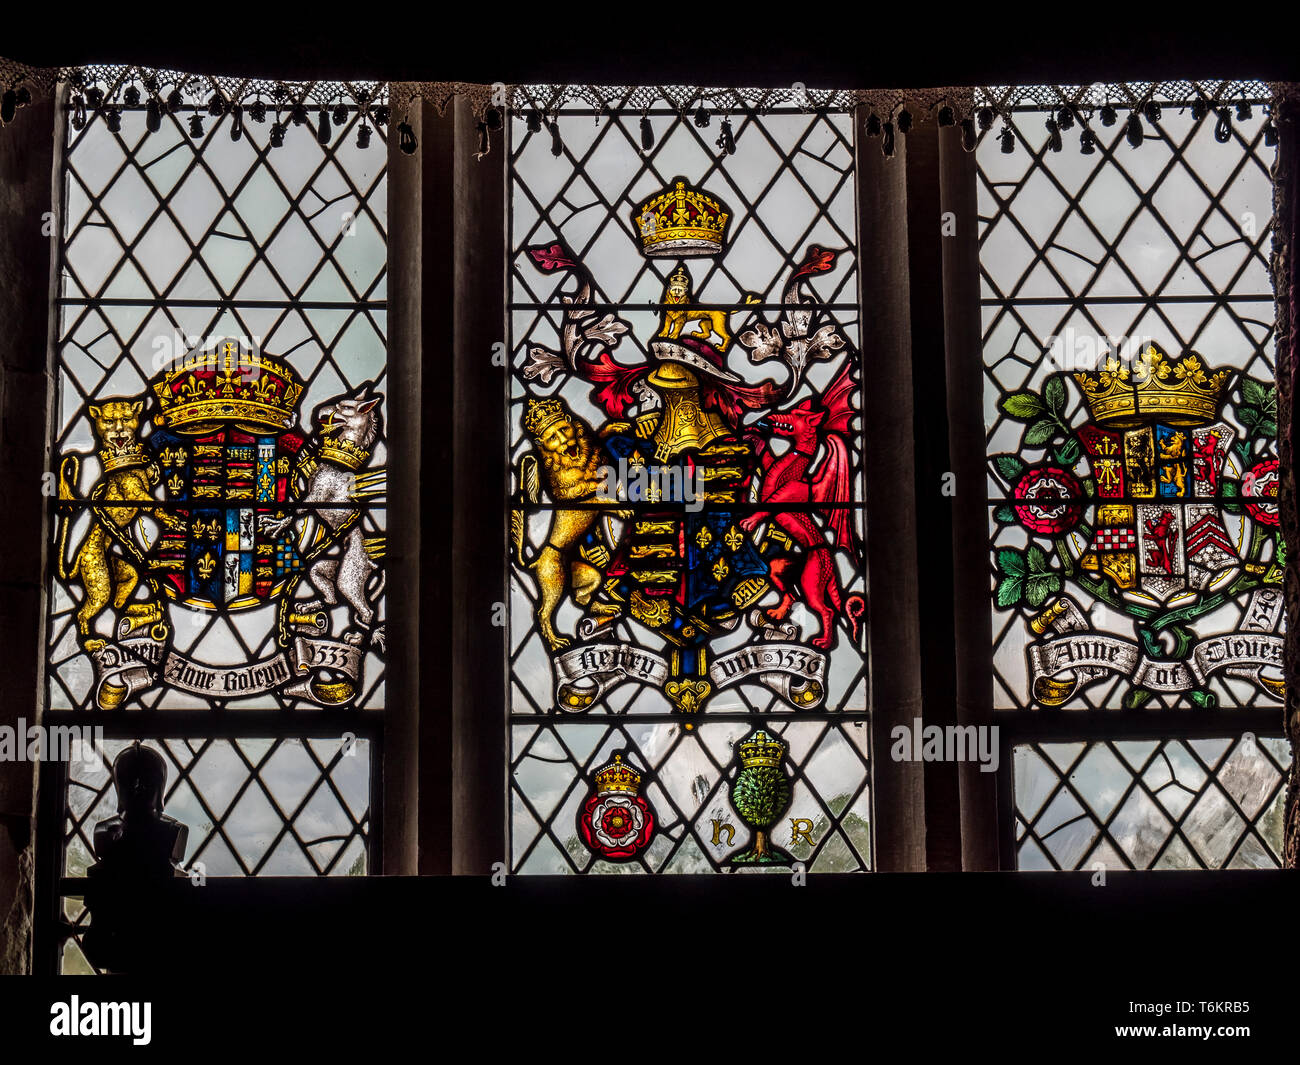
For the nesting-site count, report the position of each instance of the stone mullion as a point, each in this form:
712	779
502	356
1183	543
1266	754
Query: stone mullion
30	218
1285	186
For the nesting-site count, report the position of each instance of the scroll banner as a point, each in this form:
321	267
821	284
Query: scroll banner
1263	614
585	674
1094	656
130	666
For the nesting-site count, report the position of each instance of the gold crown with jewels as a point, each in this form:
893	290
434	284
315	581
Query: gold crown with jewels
229	384
542	414
1183	391
111	458
681	222
618	777
344	453
761	749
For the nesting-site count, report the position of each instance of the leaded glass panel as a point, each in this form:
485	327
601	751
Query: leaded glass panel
1130	409
221	366
687	491
1151	804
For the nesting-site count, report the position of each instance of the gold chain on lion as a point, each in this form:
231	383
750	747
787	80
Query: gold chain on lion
128	545
120	534
282	635
123	539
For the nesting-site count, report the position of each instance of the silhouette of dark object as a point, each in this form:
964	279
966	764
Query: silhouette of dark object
139	851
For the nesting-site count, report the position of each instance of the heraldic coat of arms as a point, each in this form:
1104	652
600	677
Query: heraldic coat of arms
704	528
206	496
1159	513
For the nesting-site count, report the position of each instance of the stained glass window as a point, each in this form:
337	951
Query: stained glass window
221	360
687	598
219	432
1131	410
1131	415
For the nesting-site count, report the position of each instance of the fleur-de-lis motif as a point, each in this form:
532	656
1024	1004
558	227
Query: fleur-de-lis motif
1115	372
733	539
1190	367
704	537
1151	363
720	569
206	565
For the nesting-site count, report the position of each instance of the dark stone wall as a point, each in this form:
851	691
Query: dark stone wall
1284	244
28	230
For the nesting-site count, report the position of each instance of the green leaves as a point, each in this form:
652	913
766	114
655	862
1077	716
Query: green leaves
1026	577
1023	406
1011	562
1040	432
1026	406
1045	414
1054	394
1009	592
1258	408
1257	393
1040	588
1011	467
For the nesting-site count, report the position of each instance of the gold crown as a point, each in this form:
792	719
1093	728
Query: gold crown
228	384
618	777
111	458
761	749
681	222
344	453
1182	391
542	413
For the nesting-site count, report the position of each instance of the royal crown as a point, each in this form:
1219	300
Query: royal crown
617	777
1183	391
542	414
345	453
229	384
681	222
761	749
118	458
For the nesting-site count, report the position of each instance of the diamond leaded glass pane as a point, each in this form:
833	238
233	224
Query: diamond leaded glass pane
1151	804
221	366
687	492
1131	411
253	807
219	431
